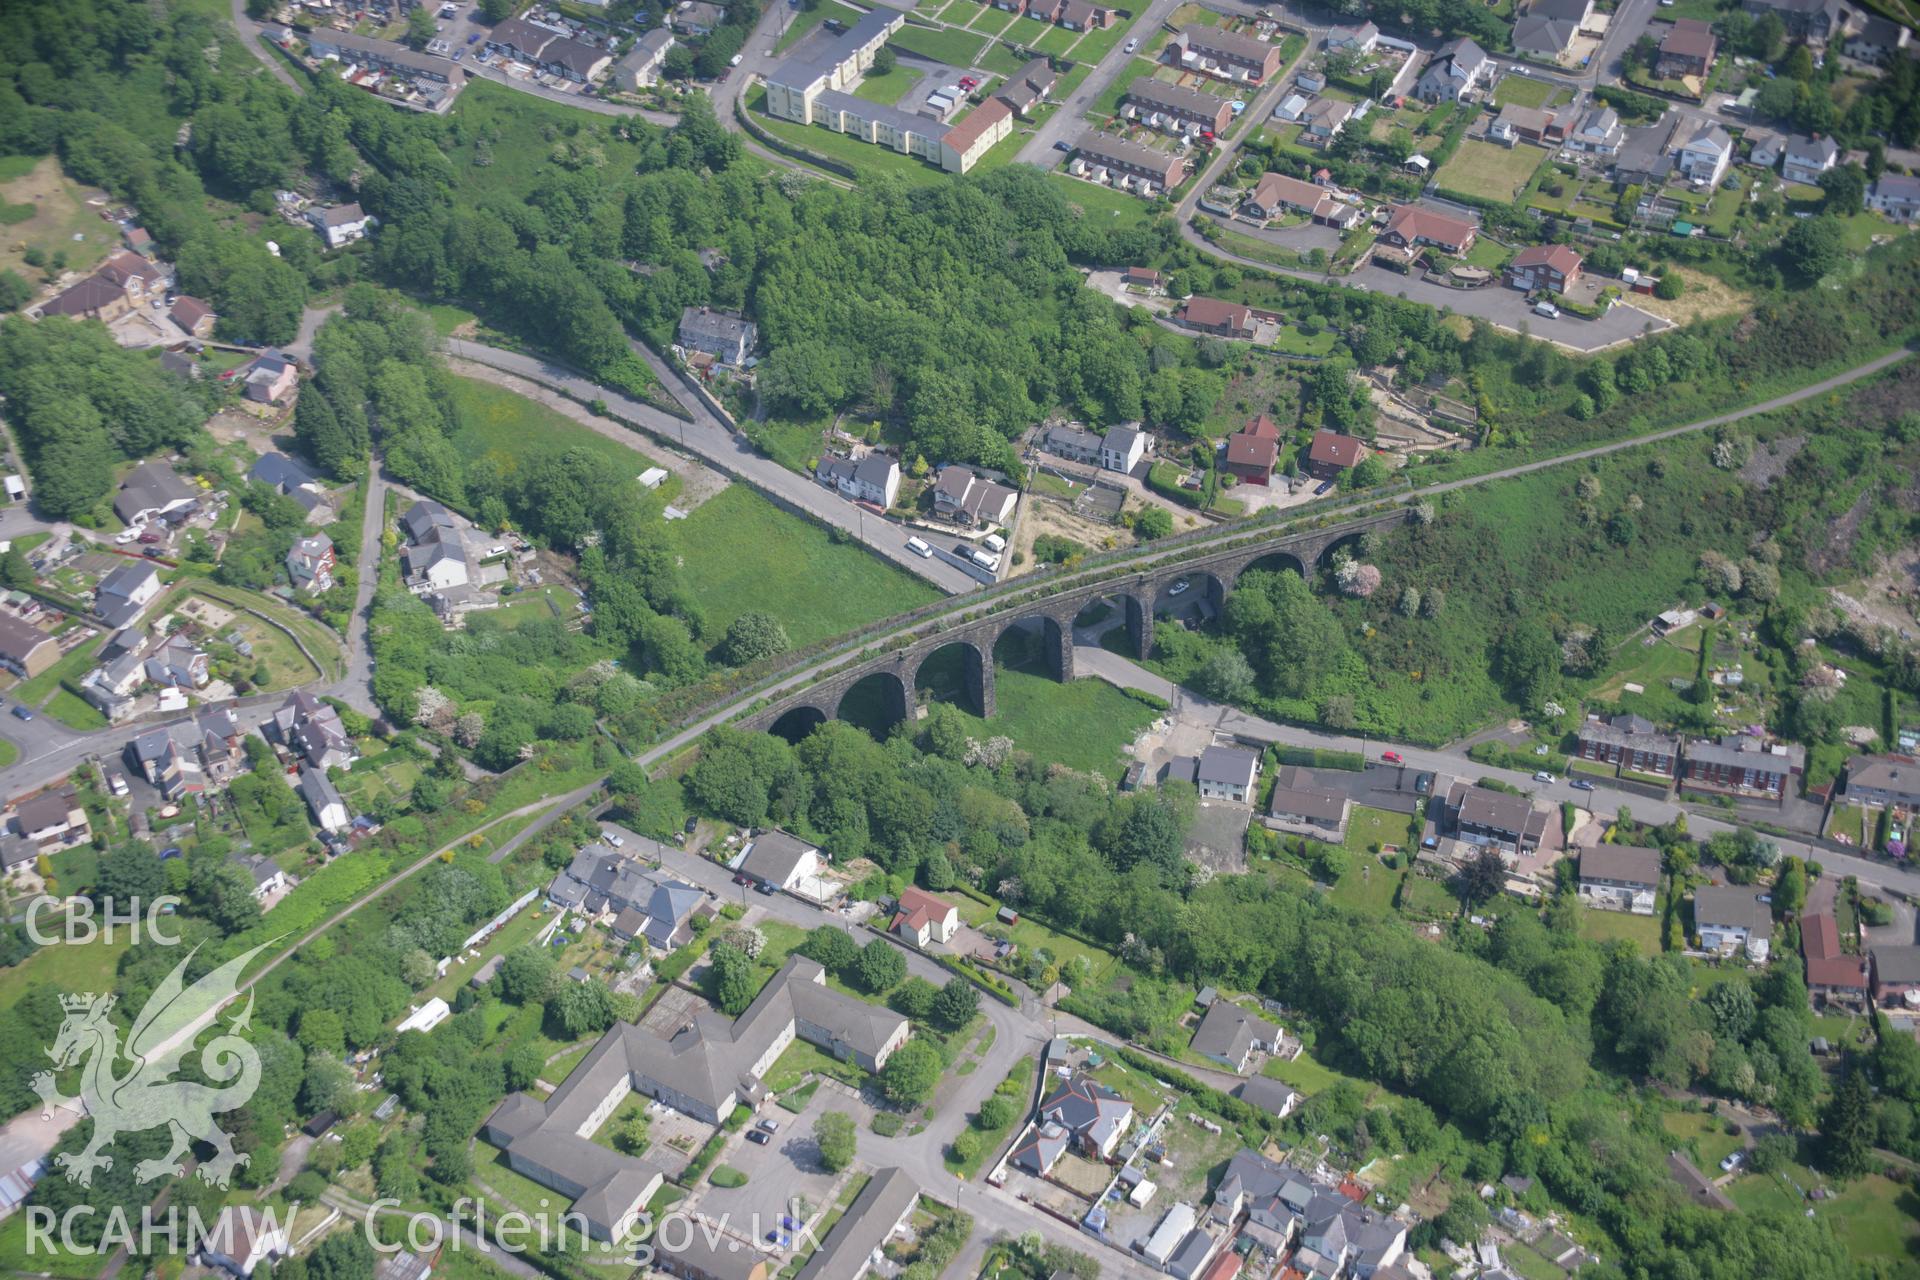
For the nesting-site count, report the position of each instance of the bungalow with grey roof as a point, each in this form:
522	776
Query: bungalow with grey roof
726	337
1730	918
1896	196
1508	823
779	860
323	798
1617	877
1231	1036
1299	807
152	490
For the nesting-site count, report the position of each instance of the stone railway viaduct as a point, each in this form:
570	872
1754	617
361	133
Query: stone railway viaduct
899	670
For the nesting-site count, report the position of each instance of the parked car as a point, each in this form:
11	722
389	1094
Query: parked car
1423	784
149	538
1179	587
1063	145
21	713
760	1139
920	548
1735	1159
742	877
769	1126
613	838
1580	784
1131	45
458	54
764	887
1391	757
1542	776
474	38
1324	486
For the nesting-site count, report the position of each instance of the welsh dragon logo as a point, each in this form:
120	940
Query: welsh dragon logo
144	1095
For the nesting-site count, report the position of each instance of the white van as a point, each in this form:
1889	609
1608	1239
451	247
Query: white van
990	563
1546	309
920	548
994	543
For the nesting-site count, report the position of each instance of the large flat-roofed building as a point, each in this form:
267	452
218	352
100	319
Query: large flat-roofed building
794	87
1226	53
704	1070
1178	105
1130	159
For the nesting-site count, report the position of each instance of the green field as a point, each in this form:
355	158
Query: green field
1083	725
1308	1075
1489	170
495	420
65	967
1103	205
739	552
949	44
1030	935
1709	1136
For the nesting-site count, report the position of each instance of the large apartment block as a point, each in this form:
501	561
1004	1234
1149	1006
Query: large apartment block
796	85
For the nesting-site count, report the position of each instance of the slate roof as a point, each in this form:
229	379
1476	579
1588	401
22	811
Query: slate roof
1228	766
773	856
1622	863
1086	1108
865	1226
1731	906
1228	1031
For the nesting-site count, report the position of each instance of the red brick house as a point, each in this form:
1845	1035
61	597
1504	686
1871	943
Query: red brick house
1224	319
1743	764
1552	267
1629	741
1331	453
1252	452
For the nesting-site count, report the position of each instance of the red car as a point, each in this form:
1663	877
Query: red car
1391	757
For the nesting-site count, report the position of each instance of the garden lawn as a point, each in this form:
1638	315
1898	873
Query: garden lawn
1109	100
950	45
1308	1075
1522	91
1877	1219
1642	931
888	89
1057	41
65	966
1488	170
1030	935
70	666
1103	205
739	552
863	157
1709	1136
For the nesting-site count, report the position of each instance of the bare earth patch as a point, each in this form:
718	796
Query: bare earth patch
1770	459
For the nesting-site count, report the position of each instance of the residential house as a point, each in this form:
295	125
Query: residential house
1896	977
1268	1094
640	67
1507	823
1227	54
962	145
922	918
1122	448
94	298
1276	193
574	60
1078	1114
1227	773
1628	741
1598	132
1884	780
1084	15
780	861
1516	123
1764	147
1617	877
704	1069
850	1249
1548	27
1805	159
1330	453
875	479
1361	39
188	757
25	649
727	337
1253	451
310	564
1550	268
1324	118
271	378
1896	195
341	224
122	595
312	732
1687	49
1739	763
193	316
709	1253
1028	87
519	39
383	55
641	903
1646	153
265	874
293	479
1231	1036
1833	977
52	819
152	490
1097	151
1804	19
1222	319
1705	156
698	18
1282	1210
1730	918
1456	68
1298	807
243	1237
142	279
1410	226
1879	41
323	799
177	662
1073	442
969	500
1195	109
